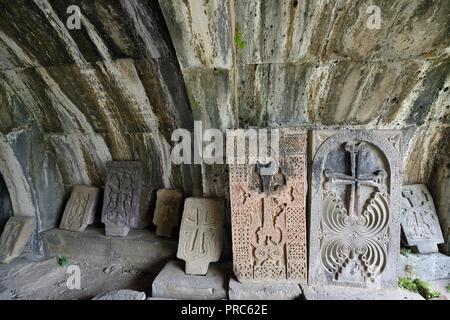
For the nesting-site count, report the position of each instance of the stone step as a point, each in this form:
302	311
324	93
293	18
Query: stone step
263	291
350	293
173	283
140	249
429	266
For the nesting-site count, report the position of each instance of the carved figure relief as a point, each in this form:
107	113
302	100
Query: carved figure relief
354	221
122	197
268	216
420	222
200	234
80	209
167	210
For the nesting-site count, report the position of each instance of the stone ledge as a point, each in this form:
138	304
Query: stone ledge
267	291
173	283
430	266
348	293
140	249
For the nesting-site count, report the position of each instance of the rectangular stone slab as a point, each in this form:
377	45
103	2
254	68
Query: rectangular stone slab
429	266
15	235
173	283
122	197
167	211
80	209
267	291
268	216
355	208
419	220
200	240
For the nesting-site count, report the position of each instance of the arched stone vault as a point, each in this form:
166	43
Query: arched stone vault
315	64
70	100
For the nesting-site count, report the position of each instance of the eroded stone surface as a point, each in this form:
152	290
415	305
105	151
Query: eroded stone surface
268	216
167	211
355	208
419	220
266	291
15	235
122	197
201	234
431	266
339	293
80	209
173	283
123	294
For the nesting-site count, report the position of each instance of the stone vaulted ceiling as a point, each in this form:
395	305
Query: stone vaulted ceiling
70	100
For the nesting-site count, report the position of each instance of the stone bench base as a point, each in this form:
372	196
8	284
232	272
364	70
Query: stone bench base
141	248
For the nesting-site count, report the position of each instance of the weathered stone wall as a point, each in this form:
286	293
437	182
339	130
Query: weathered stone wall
5	204
73	99
315	64
440	189
70	100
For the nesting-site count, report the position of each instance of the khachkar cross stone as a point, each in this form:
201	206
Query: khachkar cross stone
15	235
167	211
355	208
200	234
419	220
122	197
80	209
268	216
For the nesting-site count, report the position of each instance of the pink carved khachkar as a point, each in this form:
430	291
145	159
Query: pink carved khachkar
268	216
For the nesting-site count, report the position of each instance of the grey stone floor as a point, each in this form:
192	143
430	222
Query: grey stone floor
29	278
35	278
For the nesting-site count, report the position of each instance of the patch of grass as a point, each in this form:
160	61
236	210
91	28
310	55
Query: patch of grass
405	252
62	261
413	283
238	39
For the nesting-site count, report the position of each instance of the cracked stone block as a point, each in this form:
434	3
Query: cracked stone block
200	240
122	197
173	283
15	235
356	181
265	291
167	211
420	223
80	209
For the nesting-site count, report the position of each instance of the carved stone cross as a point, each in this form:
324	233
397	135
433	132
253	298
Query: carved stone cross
201	234
420	222
356	179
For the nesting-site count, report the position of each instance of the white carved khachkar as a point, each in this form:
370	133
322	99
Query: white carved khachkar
200	234
268	216
355	208
80	209
15	235
122	197
167	211
419	219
